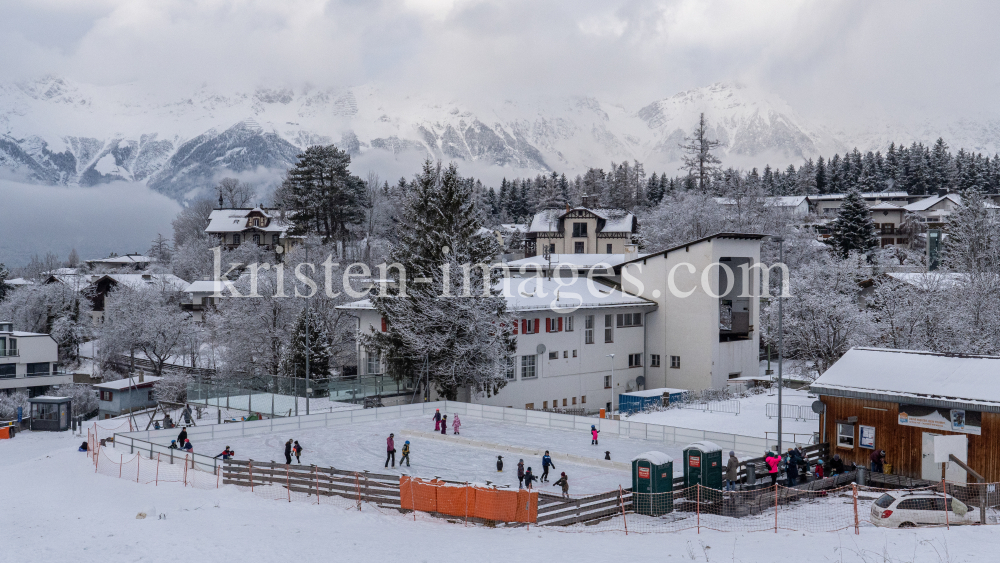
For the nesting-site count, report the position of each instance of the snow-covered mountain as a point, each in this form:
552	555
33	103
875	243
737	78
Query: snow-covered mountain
58	132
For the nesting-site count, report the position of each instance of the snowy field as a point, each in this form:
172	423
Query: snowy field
360	447
61	510
752	420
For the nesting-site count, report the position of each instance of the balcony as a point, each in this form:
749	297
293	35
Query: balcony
9	353
733	325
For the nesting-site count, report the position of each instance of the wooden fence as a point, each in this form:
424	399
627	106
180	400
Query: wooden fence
553	510
382	490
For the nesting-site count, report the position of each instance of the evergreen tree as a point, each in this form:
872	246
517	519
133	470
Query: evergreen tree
4	273
325	197
699	160
318	350
654	190
853	229
821	182
464	335
940	167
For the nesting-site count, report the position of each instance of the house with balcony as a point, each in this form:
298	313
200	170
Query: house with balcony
233	227
29	361
580	230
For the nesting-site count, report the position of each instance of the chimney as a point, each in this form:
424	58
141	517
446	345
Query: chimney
220	201
585	200
631	251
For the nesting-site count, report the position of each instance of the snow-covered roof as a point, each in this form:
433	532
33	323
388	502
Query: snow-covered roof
930	280
615	220
928	202
138	280
705	446
18	282
557	295
770	201
913	374
886	206
575	261
206	286
126	260
21	334
866	195
126	383
654	392
235	221
76	281
656	458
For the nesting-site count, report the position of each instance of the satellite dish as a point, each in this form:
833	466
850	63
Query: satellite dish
818	407
630	385
540	349
640	381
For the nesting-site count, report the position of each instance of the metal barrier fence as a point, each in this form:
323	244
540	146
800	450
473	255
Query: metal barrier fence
731	406
798	412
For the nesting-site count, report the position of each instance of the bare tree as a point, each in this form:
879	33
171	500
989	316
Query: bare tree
191	222
234	193
73	260
699	161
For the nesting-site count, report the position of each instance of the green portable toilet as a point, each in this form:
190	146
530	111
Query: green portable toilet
703	465
652	473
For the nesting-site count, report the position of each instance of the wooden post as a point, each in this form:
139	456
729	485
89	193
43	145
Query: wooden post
944	490
698	503
316	470
288	486
250	469
185	470
137	458
621	503
121	461
157	482
854	489
776	506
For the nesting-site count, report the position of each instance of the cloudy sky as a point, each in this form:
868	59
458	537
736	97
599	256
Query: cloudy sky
935	57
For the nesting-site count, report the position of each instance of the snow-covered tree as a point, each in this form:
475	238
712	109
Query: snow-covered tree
191	222
699	162
4	274
57	309
84	397
681	217
160	249
144	320
234	193
318	349
323	194
853	229
465	336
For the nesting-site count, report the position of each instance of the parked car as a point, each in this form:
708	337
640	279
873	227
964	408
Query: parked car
907	509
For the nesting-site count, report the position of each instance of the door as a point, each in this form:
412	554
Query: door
694	469
932	471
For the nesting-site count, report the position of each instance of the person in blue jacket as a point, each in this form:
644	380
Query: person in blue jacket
528	479
546	463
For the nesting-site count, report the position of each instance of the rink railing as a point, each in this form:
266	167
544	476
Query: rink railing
157	440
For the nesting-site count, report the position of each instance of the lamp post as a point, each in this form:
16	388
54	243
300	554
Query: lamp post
781	335
306	244
612	356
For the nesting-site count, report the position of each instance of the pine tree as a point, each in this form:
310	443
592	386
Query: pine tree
3	281
319	350
699	162
464	336
853	229
654	190
821	182
325	197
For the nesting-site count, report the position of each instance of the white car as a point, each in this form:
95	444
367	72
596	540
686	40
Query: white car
907	509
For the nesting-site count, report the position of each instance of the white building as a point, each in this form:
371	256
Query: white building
662	320
793	205
28	361
580	230
233	227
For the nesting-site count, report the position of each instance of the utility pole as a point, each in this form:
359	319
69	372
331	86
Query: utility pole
612	356
781	336
307	340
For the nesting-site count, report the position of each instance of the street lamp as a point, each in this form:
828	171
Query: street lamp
307	245
781	334
612	356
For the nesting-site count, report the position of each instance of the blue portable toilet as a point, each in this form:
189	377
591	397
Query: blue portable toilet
652	478
637	401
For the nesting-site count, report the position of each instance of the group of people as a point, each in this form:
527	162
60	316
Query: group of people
441	422
525	477
292	447
182	442
795	467
390	449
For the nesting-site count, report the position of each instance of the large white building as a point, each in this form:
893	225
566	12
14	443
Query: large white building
28	361
661	319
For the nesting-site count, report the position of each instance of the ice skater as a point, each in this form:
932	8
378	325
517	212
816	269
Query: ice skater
288	452
499	463
564	483
437	420
182	436
456	424
528	478
188	447
390	450
520	474
297	449
226	453
593	435
406	454
444	425
546	462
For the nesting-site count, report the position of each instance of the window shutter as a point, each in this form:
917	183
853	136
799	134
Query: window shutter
524	326
560	325
384	326
515	326
548	324
537	323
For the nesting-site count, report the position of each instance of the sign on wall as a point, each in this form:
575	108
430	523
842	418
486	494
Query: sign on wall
867	437
935	418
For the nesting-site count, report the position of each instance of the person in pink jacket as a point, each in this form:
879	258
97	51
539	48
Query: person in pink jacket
772	461
593	434
456	424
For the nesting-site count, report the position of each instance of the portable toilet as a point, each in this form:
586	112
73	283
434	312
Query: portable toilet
703	465
652	472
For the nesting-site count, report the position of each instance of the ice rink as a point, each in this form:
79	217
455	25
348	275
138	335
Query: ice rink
363	447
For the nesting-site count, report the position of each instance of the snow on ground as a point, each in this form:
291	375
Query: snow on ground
752	420
363	447
284	405
60	509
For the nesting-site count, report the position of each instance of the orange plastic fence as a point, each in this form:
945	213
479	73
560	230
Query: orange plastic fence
5	433
468	501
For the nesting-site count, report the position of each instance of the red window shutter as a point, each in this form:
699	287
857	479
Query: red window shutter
385	327
515	327
524	326
537	323
548	324
560	324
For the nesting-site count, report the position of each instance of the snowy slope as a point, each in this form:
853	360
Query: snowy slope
56	131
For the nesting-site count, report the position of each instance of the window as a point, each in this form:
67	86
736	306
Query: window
607	382
510	369
552	249
256	239
675	362
569	324
845	435
274	239
574	400
553	324
735	374
529	326
609	328
578	247
236	239
373	364
529	406
609	249
574	353
583	399
107	395
565	353
654	360
8	370
553	355
545	405
629	319
884	501
38	369
149	396
579	229
528	367
564	402
634	360
588	329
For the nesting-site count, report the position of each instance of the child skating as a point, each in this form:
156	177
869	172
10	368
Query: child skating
456	424
564	483
593	435
406	454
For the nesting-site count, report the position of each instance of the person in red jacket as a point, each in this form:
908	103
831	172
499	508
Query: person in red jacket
772	461
390	449
437	420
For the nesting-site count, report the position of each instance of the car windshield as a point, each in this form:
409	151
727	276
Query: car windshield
884	501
